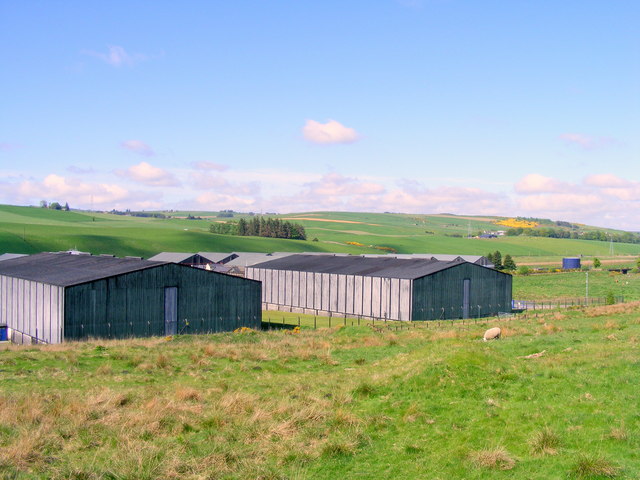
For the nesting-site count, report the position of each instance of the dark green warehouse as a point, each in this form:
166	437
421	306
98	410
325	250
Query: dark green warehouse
384	287
53	297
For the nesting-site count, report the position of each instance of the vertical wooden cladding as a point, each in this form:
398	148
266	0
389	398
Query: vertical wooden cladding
32	308
132	304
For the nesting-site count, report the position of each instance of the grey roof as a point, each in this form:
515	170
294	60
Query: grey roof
479	259
173	257
180	257
9	256
218	257
247	259
391	267
65	269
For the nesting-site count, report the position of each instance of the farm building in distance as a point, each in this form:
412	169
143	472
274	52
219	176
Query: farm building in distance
198	260
383	287
53	297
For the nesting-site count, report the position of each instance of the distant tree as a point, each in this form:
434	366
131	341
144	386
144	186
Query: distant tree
66	207
610	299
509	264
524	270
596	263
497	260
44	204
242	227
55	206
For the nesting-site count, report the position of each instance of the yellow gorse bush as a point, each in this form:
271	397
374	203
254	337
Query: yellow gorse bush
516	223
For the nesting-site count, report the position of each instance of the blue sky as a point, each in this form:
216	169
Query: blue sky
528	108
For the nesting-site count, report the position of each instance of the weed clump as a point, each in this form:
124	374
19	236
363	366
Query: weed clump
545	442
589	466
496	458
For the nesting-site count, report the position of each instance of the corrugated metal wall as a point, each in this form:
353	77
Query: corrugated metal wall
334	293
440	295
132	304
31	308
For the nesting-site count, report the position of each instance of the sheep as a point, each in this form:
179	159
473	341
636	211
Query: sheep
492	334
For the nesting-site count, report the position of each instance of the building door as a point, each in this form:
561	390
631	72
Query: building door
170	311
466	294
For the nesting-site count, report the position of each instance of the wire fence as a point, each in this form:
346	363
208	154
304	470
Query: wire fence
564	303
275	320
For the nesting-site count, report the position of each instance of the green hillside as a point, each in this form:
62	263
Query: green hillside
33	229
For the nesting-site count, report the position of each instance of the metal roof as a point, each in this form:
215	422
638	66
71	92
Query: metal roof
65	269
247	259
446	257
218	257
9	256
173	257
409	268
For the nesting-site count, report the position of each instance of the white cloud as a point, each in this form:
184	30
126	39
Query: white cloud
336	192
330	132
147	174
599	200
334	184
550	204
606	180
77	193
222	201
209	166
536	183
139	147
117	56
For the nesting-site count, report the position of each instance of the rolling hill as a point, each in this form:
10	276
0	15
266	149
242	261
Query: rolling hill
33	229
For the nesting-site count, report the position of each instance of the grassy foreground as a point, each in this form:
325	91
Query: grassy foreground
555	398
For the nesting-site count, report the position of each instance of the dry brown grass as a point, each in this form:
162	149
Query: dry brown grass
545	442
619	433
549	329
162	360
188	394
606	310
104	369
495	458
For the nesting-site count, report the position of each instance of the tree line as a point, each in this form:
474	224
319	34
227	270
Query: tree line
261	227
601	235
54	206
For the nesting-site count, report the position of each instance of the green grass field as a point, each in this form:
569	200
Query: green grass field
32	229
556	397
574	284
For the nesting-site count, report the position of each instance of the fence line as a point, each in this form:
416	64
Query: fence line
564	303
465	316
